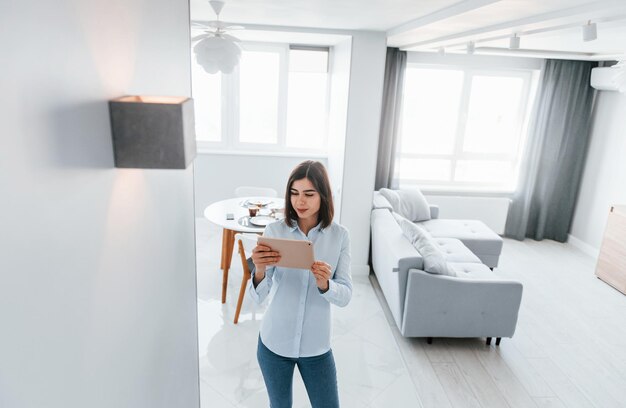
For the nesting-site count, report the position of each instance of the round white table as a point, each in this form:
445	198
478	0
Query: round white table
216	214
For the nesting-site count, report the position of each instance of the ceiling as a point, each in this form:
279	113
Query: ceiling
547	28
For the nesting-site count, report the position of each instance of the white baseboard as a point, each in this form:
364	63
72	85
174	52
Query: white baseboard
583	246
360	270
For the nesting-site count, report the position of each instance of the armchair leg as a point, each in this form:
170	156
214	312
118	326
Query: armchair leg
429	340
498	340
488	342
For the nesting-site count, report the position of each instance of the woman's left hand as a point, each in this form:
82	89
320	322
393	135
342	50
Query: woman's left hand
322	272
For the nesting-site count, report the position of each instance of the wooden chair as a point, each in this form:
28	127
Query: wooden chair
245	245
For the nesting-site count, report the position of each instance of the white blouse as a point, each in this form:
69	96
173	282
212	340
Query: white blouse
297	321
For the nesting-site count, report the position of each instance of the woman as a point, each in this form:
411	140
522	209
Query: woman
296	327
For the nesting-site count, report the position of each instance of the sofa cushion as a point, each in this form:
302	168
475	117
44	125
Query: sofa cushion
409	203
472	270
454	250
435	260
411	230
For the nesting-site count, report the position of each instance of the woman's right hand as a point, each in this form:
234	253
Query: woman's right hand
263	256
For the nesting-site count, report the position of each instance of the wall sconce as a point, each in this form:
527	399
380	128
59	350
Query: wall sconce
153	132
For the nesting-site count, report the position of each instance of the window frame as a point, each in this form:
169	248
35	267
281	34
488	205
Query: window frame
230	101
529	85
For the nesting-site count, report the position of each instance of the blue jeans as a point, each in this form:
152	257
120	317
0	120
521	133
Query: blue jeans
318	373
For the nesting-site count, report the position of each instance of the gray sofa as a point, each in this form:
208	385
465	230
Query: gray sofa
475	235
473	302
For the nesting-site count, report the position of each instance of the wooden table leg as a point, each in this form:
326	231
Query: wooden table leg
224	246
244	280
228	240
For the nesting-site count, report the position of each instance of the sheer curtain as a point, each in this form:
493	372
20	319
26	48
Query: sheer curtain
554	156
395	67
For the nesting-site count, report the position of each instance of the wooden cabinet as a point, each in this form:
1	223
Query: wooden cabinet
611	266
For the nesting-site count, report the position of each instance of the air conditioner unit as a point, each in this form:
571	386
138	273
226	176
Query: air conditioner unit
609	78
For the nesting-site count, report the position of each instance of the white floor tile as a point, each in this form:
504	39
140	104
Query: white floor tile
364	369
209	397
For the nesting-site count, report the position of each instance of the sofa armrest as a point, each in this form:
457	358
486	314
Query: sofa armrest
379	201
392	257
434	211
391	251
444	306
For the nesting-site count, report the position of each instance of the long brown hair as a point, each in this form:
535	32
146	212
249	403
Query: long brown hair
315	172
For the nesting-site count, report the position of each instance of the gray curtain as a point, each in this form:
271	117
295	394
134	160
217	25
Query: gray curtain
395	66
554	157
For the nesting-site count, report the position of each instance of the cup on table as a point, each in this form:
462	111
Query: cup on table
253	210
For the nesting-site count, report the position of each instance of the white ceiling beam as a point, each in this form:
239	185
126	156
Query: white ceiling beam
505	34
447	12
585	56
291	29
585	11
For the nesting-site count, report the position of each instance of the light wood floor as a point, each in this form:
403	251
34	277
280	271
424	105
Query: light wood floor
569	349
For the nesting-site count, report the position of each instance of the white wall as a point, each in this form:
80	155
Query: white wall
364	106
338	118
97	265
604	177
217	175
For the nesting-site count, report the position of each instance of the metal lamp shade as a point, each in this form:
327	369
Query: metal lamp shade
153	132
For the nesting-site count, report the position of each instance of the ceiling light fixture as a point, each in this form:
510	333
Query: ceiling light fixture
217	51
441	51
514	42
471	47
590	31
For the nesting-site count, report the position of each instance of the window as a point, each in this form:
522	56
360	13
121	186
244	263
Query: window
275	100
462	129
308	99
207	96
259	83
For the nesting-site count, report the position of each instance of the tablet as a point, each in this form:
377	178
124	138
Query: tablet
294	253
